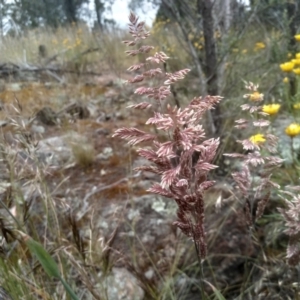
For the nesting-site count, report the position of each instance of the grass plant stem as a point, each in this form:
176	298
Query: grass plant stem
298	283
292	150
203	297
9	212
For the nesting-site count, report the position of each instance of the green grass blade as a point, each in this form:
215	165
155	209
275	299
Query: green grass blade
45	259
217	293
47	262
69	289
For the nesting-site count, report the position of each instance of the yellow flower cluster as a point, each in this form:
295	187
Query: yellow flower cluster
256	96
70	43
293	129
259	46
292	66
297	37
287	66
158	25
296	61
297	71
198	46
296	105
257	139
271	109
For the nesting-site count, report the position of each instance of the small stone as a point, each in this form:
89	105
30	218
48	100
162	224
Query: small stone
106	153
38	129
149	274
14	87
102	131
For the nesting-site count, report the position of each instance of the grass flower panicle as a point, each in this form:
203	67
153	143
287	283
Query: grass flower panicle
292	222
184	161
254	192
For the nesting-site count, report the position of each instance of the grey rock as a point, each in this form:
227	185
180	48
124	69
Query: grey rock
3	123
38	129
14	87
106	153
58	150
121	285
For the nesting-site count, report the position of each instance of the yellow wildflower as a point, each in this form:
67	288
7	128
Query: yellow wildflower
271	109
66	41
296	71
191	36
257	139
297	37
256	96
287	67
286	80
293	130
296	105
78	41
296	61
259	46
198	46
298	55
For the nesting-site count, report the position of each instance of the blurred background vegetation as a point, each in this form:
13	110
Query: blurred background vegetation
223	42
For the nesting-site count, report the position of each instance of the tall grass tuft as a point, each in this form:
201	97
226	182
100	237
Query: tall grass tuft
184	161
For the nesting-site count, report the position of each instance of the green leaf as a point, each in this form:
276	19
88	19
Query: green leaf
46	260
